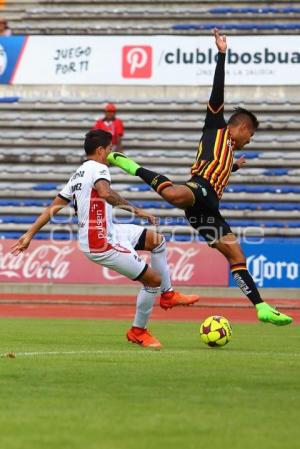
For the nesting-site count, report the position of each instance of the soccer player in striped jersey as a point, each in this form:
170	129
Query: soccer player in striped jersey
114	245
200	196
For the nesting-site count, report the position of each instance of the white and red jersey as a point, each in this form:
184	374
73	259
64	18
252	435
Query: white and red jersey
96	231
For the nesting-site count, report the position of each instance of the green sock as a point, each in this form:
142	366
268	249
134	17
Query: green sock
262	306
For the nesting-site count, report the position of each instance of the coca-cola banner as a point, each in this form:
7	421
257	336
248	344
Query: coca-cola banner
62	262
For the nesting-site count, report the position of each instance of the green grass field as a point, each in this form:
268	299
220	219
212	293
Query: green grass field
98	391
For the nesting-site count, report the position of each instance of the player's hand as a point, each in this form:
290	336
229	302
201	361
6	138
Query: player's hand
241	161
21	245
151	218
221	41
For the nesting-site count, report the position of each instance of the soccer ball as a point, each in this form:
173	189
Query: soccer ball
215	331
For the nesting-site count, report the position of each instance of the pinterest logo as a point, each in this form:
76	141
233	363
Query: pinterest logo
137	61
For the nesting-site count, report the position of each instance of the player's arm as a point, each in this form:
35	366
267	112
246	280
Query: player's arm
215	108
107	194
57	204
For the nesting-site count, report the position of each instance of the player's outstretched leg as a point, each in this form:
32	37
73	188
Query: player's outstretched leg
231	249
179	196
155	180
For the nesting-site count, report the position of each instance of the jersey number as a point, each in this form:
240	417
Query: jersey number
75	204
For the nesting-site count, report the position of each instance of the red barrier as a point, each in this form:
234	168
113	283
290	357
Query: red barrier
61	262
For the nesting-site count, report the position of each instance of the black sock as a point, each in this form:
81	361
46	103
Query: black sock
155	180
245	281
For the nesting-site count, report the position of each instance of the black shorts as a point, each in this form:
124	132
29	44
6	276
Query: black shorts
204	215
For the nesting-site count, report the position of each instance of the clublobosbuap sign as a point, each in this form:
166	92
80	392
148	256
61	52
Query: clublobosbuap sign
148	60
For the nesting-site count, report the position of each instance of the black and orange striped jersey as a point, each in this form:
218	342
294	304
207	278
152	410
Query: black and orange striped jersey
214	160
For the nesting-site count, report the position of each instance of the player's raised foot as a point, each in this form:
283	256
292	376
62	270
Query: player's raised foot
168	300
268	314
123	162
143	338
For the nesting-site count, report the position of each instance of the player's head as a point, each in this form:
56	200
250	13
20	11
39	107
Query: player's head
242	124
97	145
110	111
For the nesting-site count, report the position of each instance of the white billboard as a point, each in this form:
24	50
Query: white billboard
151	60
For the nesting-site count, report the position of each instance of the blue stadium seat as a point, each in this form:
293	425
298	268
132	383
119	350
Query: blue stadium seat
10	235
260	206
248	155
56	236
283	206
238	26
29	219
139	188
164	221
264	223
49	186
25	203
238	206
249	10
262	189
40	236
153	204
9	99
181	221
291	10
252	155
17	219
275	240
276	172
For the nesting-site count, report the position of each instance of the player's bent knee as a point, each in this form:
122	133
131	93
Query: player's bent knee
235	255
155	281
231	249
161	244
153	240
151	278
152	284
236	260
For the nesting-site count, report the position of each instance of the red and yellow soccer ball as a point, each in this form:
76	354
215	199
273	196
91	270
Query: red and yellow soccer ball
215	331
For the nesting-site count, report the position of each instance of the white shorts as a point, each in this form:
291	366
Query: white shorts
123	258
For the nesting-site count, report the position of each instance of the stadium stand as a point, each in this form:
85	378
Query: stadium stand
149	17
41	139
41	144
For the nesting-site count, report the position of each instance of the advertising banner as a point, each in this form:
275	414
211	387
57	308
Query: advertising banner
273	265
11	50
147	60
61	262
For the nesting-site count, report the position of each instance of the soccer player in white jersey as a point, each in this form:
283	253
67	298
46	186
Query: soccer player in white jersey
114	245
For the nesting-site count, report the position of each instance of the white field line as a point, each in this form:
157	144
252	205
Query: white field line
66	353
139	351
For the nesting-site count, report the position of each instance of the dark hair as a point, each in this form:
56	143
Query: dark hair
243	115
96	138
